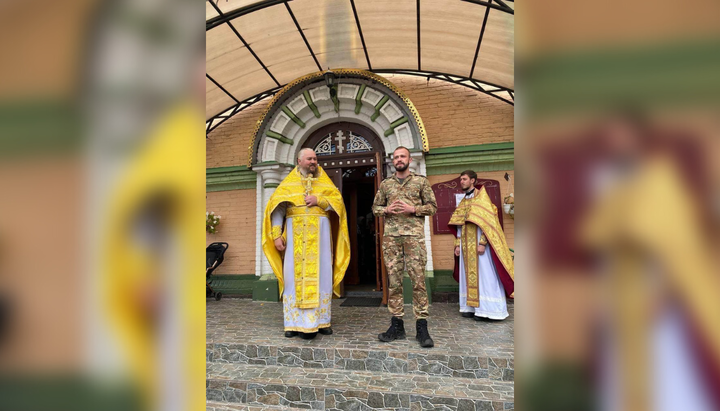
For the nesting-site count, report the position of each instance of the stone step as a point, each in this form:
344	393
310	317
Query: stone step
226	406
334	390
394	361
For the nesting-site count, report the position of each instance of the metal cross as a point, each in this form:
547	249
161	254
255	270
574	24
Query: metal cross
340	138
307	183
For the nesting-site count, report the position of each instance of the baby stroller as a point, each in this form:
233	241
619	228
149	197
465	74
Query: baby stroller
214	256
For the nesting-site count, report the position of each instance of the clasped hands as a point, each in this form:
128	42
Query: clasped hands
480	250
399	207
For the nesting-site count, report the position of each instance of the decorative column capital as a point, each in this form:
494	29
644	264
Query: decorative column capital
415	160
273	174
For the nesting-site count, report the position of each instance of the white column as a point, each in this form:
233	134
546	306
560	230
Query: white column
259	210
415	167
267	175
420	161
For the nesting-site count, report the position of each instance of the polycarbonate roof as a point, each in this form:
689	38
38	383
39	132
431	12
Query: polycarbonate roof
253	47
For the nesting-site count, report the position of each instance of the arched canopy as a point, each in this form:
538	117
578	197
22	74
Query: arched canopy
306	104
253	48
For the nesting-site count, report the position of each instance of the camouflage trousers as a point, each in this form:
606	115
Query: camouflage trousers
406	252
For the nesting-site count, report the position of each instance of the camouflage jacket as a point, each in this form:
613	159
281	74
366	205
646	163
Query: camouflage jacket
414	190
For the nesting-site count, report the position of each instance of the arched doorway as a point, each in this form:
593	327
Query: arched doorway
306	114
353	156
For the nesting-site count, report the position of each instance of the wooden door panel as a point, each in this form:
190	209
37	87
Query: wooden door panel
352	276
336	177
381	272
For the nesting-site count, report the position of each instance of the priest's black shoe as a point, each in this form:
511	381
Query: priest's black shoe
468	315
308	336
325	331
395	332
423	335
290	334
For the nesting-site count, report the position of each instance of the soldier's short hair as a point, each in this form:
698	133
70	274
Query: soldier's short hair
401	148
471	174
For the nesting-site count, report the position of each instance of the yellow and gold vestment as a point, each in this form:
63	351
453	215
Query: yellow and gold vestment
480	211
306	234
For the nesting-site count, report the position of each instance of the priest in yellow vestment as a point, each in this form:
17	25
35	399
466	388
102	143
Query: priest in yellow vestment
305	239
487	273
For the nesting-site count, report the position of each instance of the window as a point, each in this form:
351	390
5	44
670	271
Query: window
342	142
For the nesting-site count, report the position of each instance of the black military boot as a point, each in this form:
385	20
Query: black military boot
395	332
423	335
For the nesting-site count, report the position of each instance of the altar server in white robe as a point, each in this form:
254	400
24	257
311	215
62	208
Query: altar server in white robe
486	271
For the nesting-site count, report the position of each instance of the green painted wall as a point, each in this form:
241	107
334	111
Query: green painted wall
408	290
481	157
34	127
229	178
444	282
669	74
266	289
234	284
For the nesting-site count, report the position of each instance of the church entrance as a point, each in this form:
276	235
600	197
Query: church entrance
350	154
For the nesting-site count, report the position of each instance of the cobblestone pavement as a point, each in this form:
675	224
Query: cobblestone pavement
252	366
243	321
324	388
267	376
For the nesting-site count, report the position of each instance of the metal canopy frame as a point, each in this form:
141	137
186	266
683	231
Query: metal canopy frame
213	122
490	89
487	88
484	87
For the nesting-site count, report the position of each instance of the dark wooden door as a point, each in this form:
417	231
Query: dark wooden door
342	146
336	177
352	276
381	279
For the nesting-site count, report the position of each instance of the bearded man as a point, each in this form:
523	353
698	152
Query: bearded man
405	199
305	239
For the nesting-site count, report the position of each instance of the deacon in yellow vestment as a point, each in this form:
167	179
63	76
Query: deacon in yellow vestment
485	278
317	245
661	289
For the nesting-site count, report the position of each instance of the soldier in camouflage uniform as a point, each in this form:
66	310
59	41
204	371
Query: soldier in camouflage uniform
405	199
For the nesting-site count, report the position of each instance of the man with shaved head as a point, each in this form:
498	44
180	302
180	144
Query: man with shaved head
305	239
405	199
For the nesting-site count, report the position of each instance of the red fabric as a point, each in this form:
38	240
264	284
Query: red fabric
507	282
707	362
505	279
445	197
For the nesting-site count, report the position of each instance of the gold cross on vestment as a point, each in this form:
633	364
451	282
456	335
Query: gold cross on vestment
307	183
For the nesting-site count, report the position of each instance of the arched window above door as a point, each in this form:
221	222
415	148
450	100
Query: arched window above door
342	142
299	111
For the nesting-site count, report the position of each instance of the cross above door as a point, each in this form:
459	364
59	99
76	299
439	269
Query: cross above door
340	139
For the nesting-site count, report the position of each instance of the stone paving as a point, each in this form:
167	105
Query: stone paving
243	321
252	366
220	406
309	389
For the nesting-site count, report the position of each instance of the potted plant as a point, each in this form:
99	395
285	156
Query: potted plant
211	222
509	205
